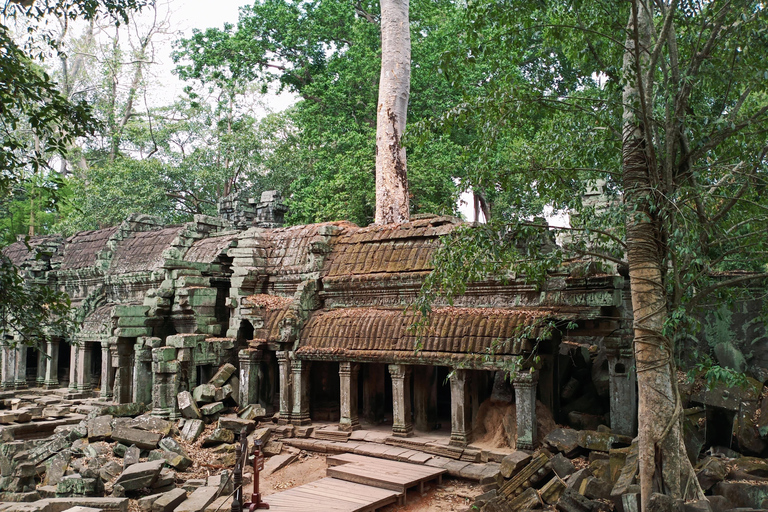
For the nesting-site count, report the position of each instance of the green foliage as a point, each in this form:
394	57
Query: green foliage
713	374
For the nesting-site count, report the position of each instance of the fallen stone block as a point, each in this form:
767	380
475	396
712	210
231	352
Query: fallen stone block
538	469
710	471
141	438
595	488
235	424
219	436
152	424
664	503
221	376
602	441
572	501
513	462
552	490
110	471
192	430
204	393
168	501
187	406
105	504
565	440
172	445
56	467
272	448
75	485
132	456
145	502
55	411
528	499
211	409
166	478
277	462
140	475
177	461
198	500
100	428
125	410
742	494
252	412
260	436
561	466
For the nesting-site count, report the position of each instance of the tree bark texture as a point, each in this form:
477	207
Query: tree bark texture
392	204
659	433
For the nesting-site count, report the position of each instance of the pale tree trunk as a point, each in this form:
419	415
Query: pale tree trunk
663	464
394	88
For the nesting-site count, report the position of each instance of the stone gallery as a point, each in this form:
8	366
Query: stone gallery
315	319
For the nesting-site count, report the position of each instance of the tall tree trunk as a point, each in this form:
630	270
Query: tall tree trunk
394	89
663	464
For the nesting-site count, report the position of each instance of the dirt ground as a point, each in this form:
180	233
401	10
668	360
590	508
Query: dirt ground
452	496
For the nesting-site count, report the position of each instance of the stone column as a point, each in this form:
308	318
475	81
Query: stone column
460	418
348	374
8	368
142	373
74	371
300	371
525	403
402	425
623	387
40	378
286	392
107	374
83	364
51	380
165	383
21	367
122	361
250	375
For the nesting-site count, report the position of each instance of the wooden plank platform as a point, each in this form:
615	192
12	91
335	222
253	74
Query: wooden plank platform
386	474
331	495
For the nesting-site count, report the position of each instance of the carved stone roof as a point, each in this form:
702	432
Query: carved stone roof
18	252
82	249
380	331
388	249
143	251
99	321
208	250
288	250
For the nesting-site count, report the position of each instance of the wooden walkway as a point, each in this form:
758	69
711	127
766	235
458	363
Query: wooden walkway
355	483
386	474
331	495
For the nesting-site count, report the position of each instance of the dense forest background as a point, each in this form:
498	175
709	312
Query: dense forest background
177	158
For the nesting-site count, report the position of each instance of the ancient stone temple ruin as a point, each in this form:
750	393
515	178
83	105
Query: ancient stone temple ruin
315	320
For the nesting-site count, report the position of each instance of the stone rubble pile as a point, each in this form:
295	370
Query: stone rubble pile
122	451
582	471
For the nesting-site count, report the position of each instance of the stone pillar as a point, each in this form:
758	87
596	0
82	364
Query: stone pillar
348	374
40	378
525	403
250	375
300	371
165	383
424	398
460	419
286	391
623	387
51	379
401	400
122	362
74	371
107	373
21	367
8	368
142	373
83	364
